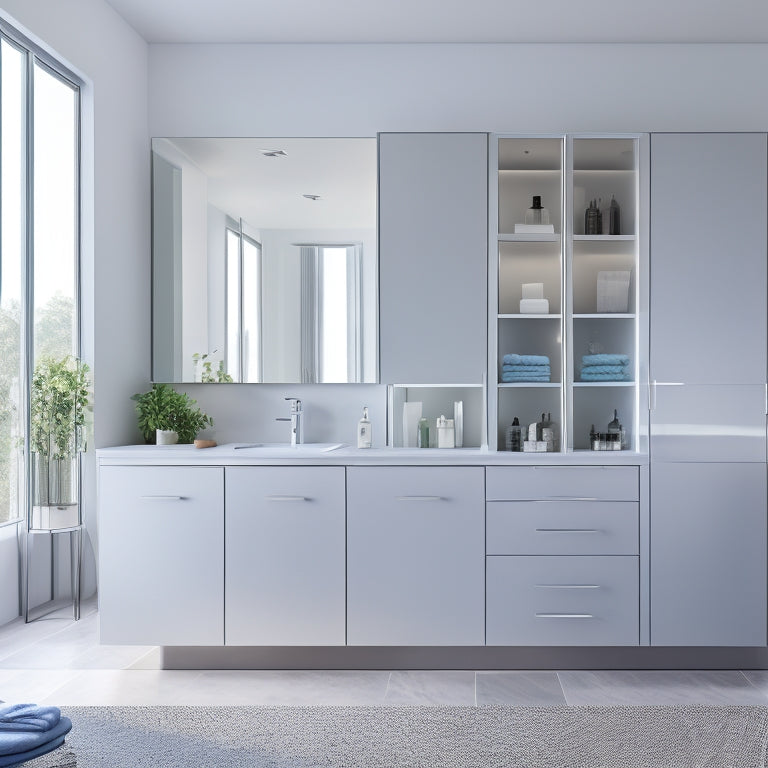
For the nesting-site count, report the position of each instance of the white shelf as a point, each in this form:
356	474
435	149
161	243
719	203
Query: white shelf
603	238
535	384
605	316
604	383
530	237
518	316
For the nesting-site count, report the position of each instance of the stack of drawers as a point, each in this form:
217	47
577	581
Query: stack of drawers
562	546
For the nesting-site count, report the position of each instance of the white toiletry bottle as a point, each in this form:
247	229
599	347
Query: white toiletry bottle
445	433
364	434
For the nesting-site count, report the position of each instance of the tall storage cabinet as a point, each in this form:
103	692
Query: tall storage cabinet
433	219
708	389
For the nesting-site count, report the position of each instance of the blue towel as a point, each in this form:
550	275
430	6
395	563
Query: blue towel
15	743
508	377
605	360
586	376
538	370
619	370
525	360
8	761
28	717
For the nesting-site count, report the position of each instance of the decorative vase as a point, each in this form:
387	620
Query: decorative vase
166	437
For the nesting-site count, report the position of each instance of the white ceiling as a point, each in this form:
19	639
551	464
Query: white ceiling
440	21
267	192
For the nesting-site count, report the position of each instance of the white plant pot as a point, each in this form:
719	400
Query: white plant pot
166	437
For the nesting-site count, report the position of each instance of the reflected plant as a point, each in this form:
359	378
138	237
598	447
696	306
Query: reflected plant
207	374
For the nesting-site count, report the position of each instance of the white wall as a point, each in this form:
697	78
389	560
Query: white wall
99	46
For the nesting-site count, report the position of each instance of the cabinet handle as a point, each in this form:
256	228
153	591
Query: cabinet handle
567	586
564	616
419	498
576	498
567	530
278	497
162	498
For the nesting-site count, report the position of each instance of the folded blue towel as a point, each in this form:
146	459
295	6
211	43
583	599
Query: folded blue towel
525	360
9	761
15	743
613	369
28	717
586	376
605	360
508	377
538	370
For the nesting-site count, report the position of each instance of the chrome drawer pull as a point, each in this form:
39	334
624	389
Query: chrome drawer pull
567	530
419	498
564	616
567	586
162	498
576	498
278	497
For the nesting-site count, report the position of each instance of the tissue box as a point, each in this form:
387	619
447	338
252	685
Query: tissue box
534	306
613	291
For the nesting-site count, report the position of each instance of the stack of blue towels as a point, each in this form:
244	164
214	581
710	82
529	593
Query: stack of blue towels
605	368
27	731
516	368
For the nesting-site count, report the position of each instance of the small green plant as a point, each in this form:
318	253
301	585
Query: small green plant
207	374
165	408
59	400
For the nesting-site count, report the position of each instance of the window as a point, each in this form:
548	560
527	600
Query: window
39	241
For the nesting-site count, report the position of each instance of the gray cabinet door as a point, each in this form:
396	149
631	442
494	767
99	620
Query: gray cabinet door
708	554
161	555
433	246
415	556
285	565
708	296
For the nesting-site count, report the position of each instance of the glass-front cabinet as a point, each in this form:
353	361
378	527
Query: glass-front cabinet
567	292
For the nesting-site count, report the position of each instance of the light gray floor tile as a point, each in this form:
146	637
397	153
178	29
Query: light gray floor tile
30	686
758	678
652	687
431	688
521	689
292	687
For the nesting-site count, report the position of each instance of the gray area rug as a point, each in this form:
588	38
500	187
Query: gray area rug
413	737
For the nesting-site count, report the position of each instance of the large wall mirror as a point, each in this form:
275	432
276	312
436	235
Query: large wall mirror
264	260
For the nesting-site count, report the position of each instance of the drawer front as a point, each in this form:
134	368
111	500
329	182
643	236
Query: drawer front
562	527
560	483
562	600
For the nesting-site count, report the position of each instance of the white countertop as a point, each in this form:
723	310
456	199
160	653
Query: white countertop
229	454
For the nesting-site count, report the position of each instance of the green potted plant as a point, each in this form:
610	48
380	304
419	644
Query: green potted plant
58	403
164	409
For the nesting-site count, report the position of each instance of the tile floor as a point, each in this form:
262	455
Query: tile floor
59	661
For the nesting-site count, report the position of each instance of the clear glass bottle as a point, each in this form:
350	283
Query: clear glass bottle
423	433
593	220
536	214
514	441
614	216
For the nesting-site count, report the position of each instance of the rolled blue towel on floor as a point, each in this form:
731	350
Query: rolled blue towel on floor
604	359
586	376
616	370
538	370
15	743
525	360
28	717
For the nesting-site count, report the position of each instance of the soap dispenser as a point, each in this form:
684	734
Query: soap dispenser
536	214
364	433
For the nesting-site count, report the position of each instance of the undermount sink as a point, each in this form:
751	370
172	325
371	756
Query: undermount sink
285	448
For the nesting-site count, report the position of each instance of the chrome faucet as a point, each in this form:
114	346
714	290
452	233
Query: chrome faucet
297	422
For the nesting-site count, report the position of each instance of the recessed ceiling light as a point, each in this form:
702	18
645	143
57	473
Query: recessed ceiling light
312	197
273	152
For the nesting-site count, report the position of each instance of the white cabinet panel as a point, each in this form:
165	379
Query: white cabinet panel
415	556
433	244
161	555
285	556
562	483
708	554
708	258
568	600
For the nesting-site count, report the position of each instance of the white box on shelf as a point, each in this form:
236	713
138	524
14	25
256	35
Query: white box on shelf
613	291
534	306
534	229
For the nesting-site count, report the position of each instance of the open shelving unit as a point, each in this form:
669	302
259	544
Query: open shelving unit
567	172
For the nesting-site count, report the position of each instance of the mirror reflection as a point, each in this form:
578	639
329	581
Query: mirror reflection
264	260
